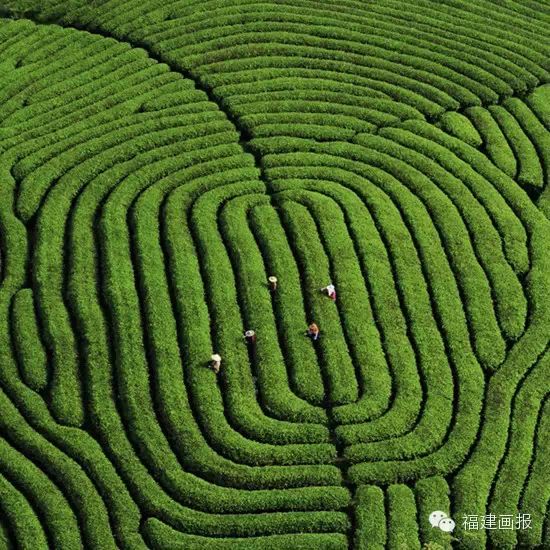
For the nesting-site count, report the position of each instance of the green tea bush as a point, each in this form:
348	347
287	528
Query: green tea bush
529	168
459	126
494	142
370	518
30	351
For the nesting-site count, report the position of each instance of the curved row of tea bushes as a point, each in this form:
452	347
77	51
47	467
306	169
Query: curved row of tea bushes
250	278
30	351
336	227
288	303
19	517
514	468
535	494
403	365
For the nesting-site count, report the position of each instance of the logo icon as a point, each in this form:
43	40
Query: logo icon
442	521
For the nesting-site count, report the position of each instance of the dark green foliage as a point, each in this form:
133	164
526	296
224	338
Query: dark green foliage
31	355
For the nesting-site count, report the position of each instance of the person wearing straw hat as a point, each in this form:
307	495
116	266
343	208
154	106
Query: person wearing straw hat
250	337
272	283
331	291
313	331
215	362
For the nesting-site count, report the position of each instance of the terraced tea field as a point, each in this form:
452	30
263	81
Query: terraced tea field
160	159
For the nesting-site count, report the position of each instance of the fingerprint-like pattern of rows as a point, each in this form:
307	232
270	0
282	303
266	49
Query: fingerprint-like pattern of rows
421	451
330	70
138	234
170	440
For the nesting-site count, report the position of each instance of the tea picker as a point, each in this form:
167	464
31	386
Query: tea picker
330	291
250	337
215	362
313	331
272	283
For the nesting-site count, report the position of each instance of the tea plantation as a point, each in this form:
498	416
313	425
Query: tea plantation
160	159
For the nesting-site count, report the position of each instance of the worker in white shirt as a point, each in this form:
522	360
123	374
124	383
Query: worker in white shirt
330	291
215	362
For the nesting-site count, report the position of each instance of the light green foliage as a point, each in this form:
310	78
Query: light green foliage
494	141
370	518
432	494
403	530
539	101
459	126
529	167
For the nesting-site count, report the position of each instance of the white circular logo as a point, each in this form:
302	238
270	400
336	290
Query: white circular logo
436	517
442	520
447	525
